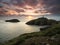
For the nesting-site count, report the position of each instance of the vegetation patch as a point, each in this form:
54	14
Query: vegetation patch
50	36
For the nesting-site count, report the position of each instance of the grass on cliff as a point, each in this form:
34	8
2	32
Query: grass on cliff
52	32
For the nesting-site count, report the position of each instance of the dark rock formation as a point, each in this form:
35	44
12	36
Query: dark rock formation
42	21
12	20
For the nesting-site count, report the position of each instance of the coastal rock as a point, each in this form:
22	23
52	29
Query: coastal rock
12	20
50	36
42	21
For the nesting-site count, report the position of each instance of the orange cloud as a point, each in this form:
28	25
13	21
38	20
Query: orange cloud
11	12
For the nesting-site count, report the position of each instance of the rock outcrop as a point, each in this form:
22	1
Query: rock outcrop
12	20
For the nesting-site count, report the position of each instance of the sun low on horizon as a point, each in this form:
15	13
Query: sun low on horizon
29	22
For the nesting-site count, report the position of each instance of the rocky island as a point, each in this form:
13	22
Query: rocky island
12	20
42	21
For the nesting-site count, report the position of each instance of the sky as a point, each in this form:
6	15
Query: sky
29	7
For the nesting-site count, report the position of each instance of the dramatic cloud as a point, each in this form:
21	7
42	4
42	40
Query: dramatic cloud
52	6
31	2
30	6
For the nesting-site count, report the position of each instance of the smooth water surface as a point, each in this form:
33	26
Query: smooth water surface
11	30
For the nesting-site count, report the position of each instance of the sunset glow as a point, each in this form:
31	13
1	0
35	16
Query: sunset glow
29	17
11	12
28	7
29	22
27	10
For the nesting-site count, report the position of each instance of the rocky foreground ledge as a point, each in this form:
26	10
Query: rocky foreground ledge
50	36
12	20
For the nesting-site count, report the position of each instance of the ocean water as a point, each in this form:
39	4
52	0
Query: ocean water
11	30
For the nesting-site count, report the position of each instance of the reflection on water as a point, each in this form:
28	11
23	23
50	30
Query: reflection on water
11	30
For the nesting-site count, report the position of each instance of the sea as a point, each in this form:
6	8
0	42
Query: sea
10	30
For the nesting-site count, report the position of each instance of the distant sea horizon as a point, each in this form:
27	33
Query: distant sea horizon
52	16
